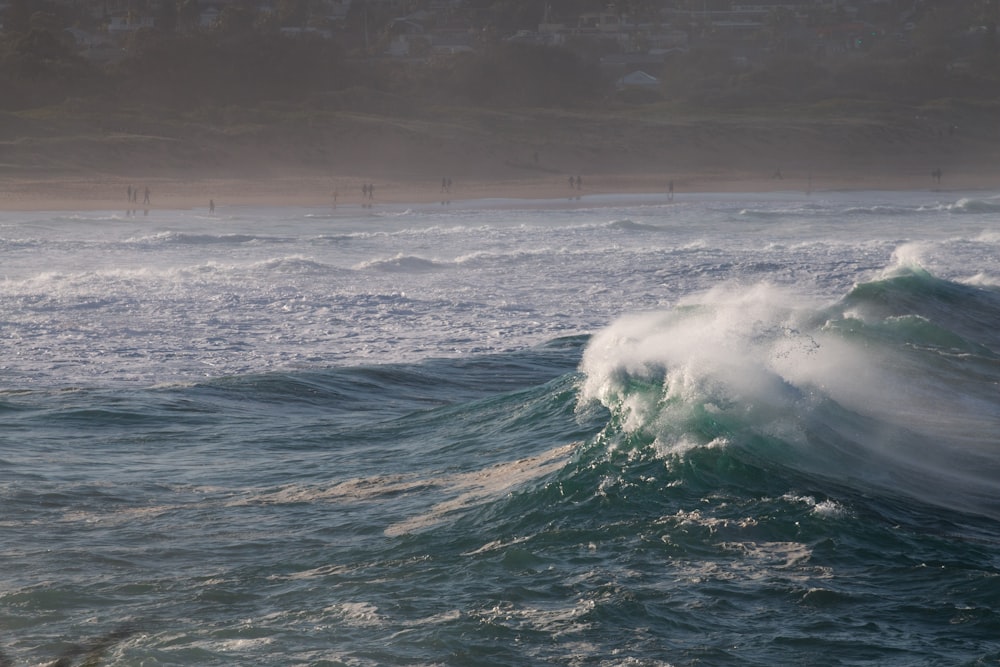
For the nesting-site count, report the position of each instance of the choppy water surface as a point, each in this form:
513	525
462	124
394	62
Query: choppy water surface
727	430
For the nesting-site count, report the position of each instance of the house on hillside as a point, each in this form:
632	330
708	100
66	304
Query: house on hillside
84	39
123	23
638	80
406	37
599	22
337	9
95	47
208	18
616	66
451	41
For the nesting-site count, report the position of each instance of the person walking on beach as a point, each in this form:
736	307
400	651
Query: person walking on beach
128	193
670	191
145	197
211	207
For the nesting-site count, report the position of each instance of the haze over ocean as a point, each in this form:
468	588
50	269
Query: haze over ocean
726	430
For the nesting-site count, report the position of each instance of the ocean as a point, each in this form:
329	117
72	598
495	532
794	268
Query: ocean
730	429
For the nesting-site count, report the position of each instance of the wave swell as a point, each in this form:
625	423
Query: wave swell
891	390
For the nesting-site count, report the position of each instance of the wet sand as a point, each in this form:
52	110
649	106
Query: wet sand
110	193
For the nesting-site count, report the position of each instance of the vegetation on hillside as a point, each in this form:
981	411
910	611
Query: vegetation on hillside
951	52
246	92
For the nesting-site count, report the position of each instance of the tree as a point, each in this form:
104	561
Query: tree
234	19
363	23
18	16
188	14
167	16
40	55
293	13
779	22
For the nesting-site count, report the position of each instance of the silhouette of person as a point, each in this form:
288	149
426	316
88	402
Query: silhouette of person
211	206
145	197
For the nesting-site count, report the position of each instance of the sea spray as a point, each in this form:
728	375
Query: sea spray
891	403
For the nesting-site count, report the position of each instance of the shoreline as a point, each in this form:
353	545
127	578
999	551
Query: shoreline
108	193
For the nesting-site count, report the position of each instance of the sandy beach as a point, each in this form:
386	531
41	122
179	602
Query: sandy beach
110	192
78	166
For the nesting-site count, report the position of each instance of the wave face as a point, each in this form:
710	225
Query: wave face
891	390
504	436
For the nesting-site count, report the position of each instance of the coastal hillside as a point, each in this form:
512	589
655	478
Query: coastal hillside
249	98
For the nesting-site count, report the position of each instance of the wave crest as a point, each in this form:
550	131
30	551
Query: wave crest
402	263
891	389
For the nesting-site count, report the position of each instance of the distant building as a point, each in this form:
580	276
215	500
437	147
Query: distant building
617	66
638	80
129	22
209	18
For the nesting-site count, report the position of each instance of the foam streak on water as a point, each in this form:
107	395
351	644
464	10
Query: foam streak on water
727	430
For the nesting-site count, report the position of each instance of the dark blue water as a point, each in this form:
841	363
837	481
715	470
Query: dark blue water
776	454
483	511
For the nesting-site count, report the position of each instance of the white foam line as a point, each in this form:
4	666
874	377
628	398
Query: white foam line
481	485
472	488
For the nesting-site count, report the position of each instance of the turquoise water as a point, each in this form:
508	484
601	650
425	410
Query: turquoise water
726	431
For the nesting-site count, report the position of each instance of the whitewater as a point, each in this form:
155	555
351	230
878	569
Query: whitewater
729	429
